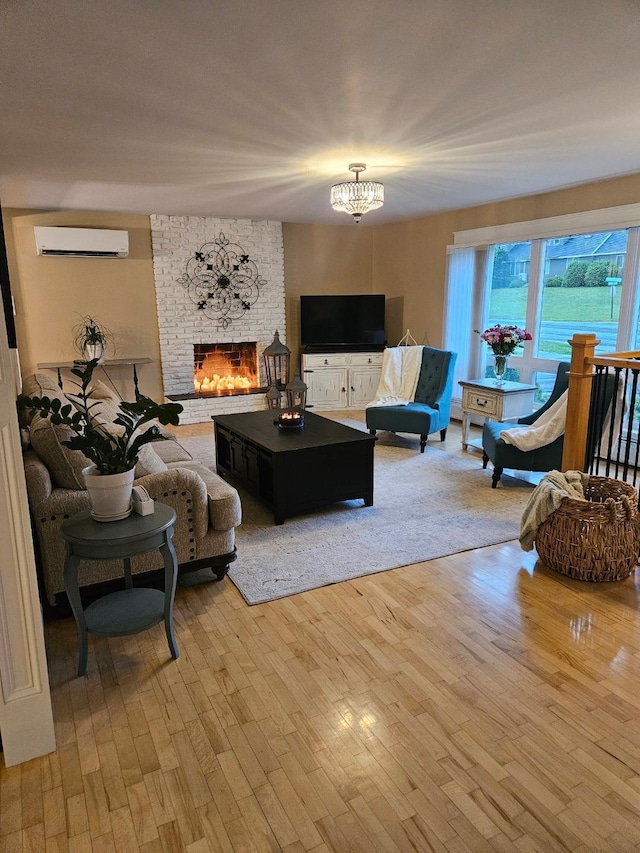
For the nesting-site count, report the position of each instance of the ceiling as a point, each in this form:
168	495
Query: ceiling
253	108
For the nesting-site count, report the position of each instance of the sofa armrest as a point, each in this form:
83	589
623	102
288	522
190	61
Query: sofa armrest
39	485
215	503
225	509
180	484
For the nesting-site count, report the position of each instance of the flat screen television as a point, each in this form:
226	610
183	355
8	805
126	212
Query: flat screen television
342	321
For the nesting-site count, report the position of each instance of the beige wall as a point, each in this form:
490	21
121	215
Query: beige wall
406	261
323	259
409	258
51	293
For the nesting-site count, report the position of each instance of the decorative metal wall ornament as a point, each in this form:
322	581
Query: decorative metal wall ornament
222	280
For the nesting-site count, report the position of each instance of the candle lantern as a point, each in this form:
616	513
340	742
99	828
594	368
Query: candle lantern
290	420
296	391
273	397
276	362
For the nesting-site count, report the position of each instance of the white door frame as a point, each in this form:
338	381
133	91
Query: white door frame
26	717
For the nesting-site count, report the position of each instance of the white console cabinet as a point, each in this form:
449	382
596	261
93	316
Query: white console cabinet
338	380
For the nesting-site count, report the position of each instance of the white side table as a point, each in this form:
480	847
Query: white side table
496	402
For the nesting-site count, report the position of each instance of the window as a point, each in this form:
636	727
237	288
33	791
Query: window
580	291
509	283
508	291
554	285
545	383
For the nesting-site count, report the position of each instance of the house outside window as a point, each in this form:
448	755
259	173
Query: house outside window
578	289
554	287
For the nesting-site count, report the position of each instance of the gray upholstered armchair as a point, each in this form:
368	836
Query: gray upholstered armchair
430	410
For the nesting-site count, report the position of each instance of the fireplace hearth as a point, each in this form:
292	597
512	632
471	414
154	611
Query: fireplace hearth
225	369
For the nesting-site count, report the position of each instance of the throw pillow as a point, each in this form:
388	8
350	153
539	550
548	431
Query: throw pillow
38	385
104	407
148	462
102	392
64	465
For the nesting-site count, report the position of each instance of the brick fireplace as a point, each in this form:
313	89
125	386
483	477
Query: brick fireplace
225	369
187	335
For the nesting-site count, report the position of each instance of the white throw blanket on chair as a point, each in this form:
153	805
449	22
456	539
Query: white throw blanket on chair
399	378
549	426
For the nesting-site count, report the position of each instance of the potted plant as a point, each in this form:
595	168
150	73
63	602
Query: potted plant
91	339
114	455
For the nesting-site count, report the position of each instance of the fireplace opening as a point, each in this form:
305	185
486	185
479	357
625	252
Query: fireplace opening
225	369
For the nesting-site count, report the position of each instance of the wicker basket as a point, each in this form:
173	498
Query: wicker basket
596	540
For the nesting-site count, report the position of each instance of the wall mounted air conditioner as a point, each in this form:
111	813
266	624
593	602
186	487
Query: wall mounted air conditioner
81	242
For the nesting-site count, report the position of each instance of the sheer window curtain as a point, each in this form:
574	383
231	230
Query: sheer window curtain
464	312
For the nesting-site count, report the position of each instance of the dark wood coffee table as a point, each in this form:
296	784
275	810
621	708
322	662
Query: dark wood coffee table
295	470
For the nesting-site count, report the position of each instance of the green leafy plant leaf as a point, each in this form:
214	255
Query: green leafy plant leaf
110	452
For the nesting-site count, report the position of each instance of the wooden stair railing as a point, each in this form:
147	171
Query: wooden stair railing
578	401
612	454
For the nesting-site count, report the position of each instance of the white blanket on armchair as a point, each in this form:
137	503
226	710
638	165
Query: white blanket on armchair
399	378
546	429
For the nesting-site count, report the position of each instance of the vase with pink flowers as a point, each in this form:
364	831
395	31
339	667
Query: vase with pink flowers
502	341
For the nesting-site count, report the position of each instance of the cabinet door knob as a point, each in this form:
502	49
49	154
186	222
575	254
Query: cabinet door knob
325	361
344	390
369	360
352	388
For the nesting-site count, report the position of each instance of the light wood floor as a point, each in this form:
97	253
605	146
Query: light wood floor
475	703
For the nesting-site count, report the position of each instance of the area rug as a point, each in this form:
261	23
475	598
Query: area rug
425	506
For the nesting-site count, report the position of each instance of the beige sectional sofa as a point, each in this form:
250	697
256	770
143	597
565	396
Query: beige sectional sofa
207	508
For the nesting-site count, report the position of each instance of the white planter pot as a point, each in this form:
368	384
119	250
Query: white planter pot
110	494
92	351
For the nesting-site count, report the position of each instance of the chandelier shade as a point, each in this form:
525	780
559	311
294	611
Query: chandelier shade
357	197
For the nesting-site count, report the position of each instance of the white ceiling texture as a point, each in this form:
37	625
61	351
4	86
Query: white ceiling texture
253	108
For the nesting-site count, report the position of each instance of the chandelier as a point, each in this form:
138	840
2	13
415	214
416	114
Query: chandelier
357	197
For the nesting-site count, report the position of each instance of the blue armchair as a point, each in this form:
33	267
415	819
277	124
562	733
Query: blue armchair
431	407
549	457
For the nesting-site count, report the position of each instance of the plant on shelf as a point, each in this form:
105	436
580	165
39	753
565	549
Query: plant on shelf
90	338
113	449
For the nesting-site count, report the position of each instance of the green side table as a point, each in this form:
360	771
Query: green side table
130	610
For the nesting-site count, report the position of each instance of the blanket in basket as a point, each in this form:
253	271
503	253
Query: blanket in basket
547	497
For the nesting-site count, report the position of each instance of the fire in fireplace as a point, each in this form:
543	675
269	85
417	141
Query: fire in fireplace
225	369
